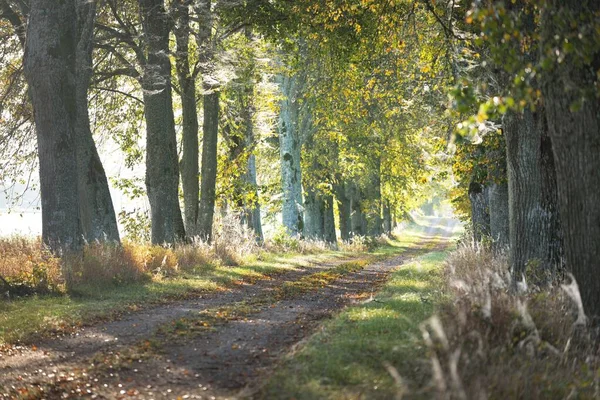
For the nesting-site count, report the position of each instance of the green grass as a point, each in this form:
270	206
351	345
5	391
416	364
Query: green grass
346	359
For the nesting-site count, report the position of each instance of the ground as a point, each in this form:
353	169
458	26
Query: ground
217	346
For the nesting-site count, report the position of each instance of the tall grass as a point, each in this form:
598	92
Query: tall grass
27	266
494	339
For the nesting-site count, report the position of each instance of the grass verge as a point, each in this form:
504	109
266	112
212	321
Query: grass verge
350	356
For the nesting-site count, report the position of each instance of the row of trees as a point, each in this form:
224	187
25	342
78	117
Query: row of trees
359	106
532	178
348	133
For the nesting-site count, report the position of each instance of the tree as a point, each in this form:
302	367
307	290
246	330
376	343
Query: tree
96	208
162	170
507	35
97	213
186	77
50	68
290	145
570	50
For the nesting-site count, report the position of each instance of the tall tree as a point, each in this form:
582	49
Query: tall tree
50	68
246	99
96	208
206	51
290	145
162	169
570	49
97	213
186	76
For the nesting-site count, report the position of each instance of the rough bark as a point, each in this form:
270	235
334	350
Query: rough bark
189	163
209	165
480	216
97	212
208	169
499	215
319	223
50	69
329	234
162	169
574	128
533	218
289	142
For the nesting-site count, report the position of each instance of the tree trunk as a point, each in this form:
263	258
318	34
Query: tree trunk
50	69
480	217
499	220
313	215
253	209
357	219
209	165
531	181
162	169
289	141
573	112
97	213
329	234
189	163
375	222
344	210
387	218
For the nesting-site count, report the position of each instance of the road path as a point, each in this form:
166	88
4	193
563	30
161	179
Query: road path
219	346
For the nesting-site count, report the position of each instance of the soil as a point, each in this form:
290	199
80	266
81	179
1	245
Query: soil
230	359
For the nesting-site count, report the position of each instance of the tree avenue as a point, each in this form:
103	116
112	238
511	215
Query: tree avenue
322	120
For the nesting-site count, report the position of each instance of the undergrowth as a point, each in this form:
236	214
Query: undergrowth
491	339
27	267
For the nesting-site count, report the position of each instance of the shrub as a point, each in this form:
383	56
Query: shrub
193	255
282	242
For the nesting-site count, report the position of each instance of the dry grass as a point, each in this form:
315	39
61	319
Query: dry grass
233	241
28	267
495	339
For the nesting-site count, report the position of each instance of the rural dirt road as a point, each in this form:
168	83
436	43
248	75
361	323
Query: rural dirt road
218	346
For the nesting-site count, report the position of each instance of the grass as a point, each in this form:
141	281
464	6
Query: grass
49	314
183	274
448	325
347	358
352	355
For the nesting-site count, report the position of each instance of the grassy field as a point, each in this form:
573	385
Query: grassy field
352	355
